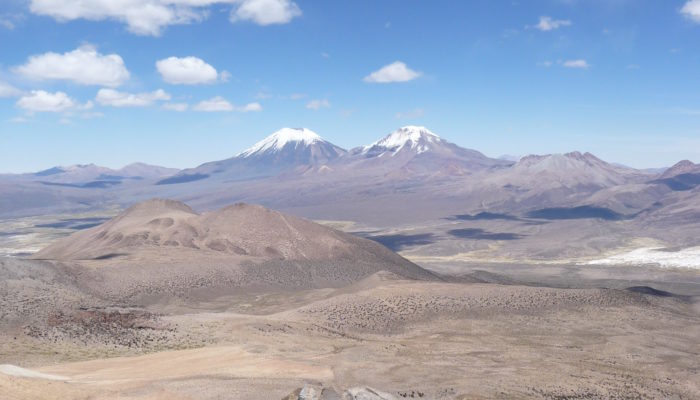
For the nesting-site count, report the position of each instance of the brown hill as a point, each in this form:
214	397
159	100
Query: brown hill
163	245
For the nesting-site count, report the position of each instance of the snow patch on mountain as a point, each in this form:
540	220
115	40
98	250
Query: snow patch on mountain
686	258
278	140
417	138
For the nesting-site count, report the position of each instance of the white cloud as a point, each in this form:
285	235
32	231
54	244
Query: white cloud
416	113
215	104
549	24
186	71
10	21
42	101
219	104
250	107
142	17
114	98
7	90
84	66
581	64
394	72
150	17
179	107
691	9
318	104
265	12
545	64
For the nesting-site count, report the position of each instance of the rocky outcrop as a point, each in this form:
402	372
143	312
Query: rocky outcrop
318	392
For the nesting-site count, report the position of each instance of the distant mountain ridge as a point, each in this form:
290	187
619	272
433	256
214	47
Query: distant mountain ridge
410	173
83	173
415	151
571	170
412	138
286	149
682	167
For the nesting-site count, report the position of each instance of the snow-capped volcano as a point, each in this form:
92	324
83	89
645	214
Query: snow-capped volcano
292	146
413	151
285	151
416	138
282	138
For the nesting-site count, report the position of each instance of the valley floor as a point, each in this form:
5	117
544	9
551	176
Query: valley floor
406	338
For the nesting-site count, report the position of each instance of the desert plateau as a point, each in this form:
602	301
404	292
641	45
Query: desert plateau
349	200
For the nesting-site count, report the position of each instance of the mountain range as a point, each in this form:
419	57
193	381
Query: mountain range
409	175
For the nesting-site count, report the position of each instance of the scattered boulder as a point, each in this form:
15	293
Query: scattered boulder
366	393
316	392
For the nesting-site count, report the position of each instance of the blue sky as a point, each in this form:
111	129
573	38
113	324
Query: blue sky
80	83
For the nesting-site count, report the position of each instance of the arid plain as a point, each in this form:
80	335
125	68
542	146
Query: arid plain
245	302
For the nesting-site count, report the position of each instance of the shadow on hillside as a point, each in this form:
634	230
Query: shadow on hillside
400	242
582	212
485	216
480	234
75	223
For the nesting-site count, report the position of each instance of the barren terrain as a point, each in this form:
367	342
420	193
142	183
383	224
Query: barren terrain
405	338
114	312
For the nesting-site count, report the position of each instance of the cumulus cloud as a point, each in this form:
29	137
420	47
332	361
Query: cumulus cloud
186	71
318	104
549	24
179	107
215	104
84	66
265	12
114	98
691	10
150	17
581	64
394	72
219	104
7	90
250	107
42	101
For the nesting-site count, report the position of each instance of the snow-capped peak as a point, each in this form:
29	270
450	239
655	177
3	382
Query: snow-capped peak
279	139
414	137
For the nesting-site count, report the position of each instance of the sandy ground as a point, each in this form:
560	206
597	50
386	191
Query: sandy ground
440	340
